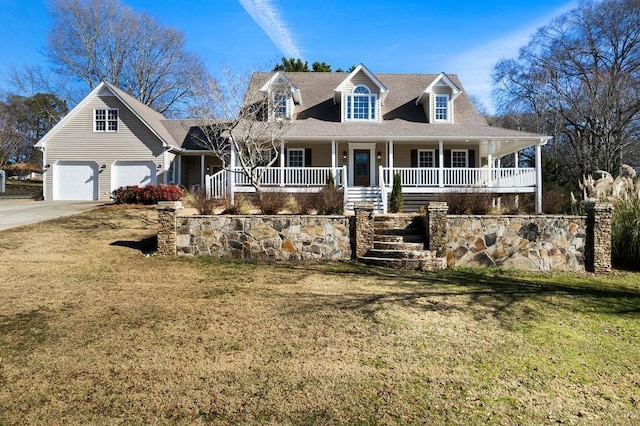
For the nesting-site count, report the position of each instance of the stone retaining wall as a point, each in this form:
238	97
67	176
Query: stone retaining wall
532	243
282	237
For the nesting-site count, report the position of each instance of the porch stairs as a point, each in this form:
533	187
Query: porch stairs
399	242
363	194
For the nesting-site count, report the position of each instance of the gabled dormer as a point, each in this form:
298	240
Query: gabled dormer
438	99
282	95
360	96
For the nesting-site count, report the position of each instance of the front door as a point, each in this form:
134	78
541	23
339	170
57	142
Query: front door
361	167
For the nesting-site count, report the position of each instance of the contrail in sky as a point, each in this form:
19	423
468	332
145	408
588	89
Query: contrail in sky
267	16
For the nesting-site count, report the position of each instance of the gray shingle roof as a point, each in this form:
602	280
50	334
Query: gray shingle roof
317	117
152	118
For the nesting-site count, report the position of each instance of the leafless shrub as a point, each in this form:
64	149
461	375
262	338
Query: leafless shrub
556	200
240	205
272	202
199	201
330	201
478	203
307	202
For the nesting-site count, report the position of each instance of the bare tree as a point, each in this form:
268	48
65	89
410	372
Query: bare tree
581	76
95	40
237	115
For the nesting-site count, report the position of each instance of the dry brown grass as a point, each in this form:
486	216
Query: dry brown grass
93	331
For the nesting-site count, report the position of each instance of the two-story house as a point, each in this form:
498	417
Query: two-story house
361	127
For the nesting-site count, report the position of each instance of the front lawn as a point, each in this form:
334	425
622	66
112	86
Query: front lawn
94	330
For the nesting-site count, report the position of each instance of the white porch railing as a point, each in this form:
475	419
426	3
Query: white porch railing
294	176
461	177
217	184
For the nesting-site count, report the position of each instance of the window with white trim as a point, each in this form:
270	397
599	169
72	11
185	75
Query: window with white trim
360	104
441	108
105	120
281	105
459	158
295	157
426	158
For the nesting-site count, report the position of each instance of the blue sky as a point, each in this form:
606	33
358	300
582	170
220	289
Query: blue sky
395	36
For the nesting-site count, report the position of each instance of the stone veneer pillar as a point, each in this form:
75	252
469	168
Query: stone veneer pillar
167	240
436	227
364	228
598	239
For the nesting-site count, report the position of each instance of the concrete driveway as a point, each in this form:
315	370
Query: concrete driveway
15	213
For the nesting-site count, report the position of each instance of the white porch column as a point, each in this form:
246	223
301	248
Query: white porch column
440	164
282	160
165	169
179	170
231	175
202	171
516	160
538	178
490	162
390	155
334	161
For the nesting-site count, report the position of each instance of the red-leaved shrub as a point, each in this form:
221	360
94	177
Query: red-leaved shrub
149	194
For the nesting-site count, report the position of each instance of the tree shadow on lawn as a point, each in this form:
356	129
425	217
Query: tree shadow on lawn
145	246
503	294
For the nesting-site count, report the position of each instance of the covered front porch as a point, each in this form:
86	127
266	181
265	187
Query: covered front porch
424	167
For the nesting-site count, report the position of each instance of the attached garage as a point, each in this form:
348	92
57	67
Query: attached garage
131	173
75	180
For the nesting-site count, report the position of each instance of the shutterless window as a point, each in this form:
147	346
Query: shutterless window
459	158
426	158
295	157
105	120
361	104
442	107
280	102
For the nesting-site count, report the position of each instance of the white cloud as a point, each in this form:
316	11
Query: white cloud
476	65
267	16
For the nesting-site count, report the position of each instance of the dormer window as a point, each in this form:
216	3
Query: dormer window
438	99
441	108
281	106
361	104
281	95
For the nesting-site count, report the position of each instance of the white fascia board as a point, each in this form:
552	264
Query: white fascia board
337	96
455	90
279	75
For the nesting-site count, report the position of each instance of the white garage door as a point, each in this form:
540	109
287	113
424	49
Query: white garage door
130	173
75	180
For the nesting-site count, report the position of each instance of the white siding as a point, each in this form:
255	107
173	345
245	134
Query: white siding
77	141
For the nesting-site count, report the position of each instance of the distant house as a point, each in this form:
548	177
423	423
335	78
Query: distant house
361	127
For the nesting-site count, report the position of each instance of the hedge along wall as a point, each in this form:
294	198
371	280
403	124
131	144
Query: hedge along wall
532	243
282	237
